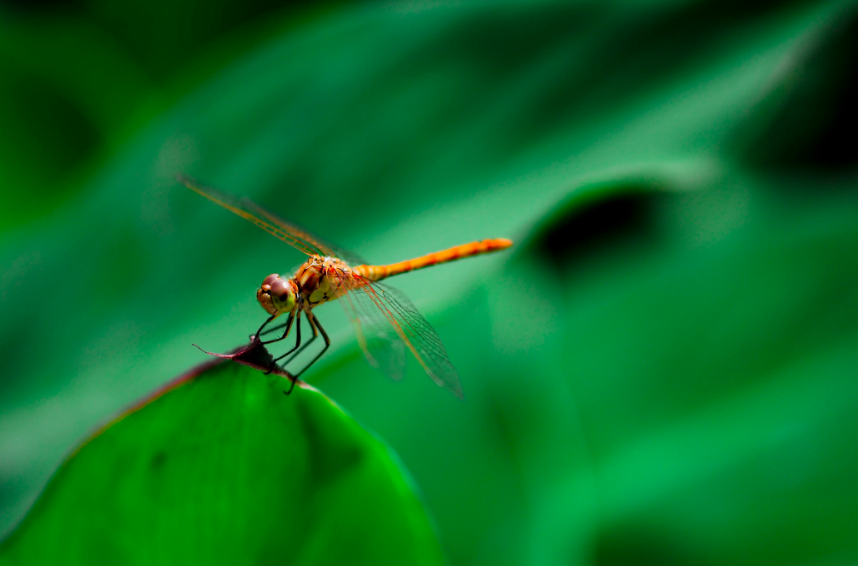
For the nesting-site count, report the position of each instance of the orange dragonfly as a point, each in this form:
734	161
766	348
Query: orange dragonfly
381	315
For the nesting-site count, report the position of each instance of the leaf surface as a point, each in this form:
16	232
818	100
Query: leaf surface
222	468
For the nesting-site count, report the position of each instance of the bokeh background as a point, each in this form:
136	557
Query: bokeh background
661	371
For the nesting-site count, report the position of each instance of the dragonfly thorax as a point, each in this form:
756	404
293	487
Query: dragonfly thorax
322	279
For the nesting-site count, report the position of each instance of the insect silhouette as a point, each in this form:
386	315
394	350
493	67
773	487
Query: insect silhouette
383	318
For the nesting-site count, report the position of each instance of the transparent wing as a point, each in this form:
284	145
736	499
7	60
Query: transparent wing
290	233
327	248
387	315
379	342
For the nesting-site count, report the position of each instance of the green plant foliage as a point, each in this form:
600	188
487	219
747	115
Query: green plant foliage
224	468
661	370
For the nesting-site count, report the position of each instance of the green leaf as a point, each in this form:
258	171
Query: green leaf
223	468
700	407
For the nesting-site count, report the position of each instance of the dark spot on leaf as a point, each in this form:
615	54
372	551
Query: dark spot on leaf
638	544
593	227
158	459
68	136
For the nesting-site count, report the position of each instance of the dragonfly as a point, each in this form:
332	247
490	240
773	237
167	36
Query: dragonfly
386	322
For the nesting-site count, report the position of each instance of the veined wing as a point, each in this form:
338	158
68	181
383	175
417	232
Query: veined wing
379	342
290	233
386	314
329	249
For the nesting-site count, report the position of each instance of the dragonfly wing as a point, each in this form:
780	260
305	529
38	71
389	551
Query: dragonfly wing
290	233
296	231
380	345
391	310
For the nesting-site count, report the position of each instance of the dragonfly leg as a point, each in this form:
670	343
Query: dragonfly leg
275	329
297	339
293	351
301	349
317	328
264	324
287	324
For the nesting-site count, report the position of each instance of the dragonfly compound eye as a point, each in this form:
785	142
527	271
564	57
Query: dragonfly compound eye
277	295
283	293
270	280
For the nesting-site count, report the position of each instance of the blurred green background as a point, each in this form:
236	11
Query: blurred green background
662	371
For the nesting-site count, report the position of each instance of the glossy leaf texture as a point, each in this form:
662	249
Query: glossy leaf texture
223	468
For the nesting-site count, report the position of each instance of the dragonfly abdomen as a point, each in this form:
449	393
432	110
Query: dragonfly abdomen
379	272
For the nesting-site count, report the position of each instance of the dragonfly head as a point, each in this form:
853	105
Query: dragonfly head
277	295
